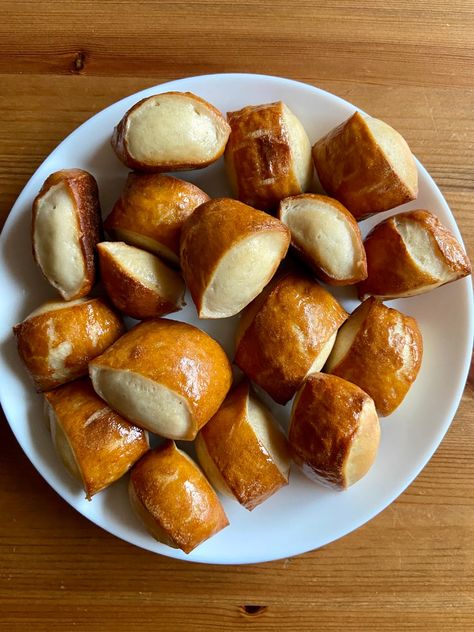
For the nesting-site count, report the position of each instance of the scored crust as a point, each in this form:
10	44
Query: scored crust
57	340
268	155
365	165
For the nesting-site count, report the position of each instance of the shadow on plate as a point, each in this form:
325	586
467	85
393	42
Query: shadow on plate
115	505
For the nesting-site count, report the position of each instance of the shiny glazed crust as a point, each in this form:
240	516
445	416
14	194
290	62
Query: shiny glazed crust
352	167
326	417
82	187
392	271
258	156
182	508
283	330
240	458
77	333
105	445
302	248
129	294
119	138
385	356
211	231
178	356
155	206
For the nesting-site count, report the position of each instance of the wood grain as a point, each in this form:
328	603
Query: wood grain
355	41
411	64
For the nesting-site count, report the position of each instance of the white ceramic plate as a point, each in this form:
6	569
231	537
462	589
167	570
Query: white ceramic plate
303	516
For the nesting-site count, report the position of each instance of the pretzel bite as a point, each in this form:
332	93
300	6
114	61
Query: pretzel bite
96	445
379	349
287	333
326	236
65	228
268	156
137	282
335	432
172	497
411	253
151	212
229	252
172	131
366	165
166	376
242	450
57	340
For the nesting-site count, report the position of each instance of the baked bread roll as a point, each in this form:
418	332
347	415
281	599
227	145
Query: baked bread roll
287	333
411	253
243	451
166	376
137	282
229	252
268	156
151	212
379	349
96	445
326	236
57	340
365	164
65	229
334	432
172	497
172	131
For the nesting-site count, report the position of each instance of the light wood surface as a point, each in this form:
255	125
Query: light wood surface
409	63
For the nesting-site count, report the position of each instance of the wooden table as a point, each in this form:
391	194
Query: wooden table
409	63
